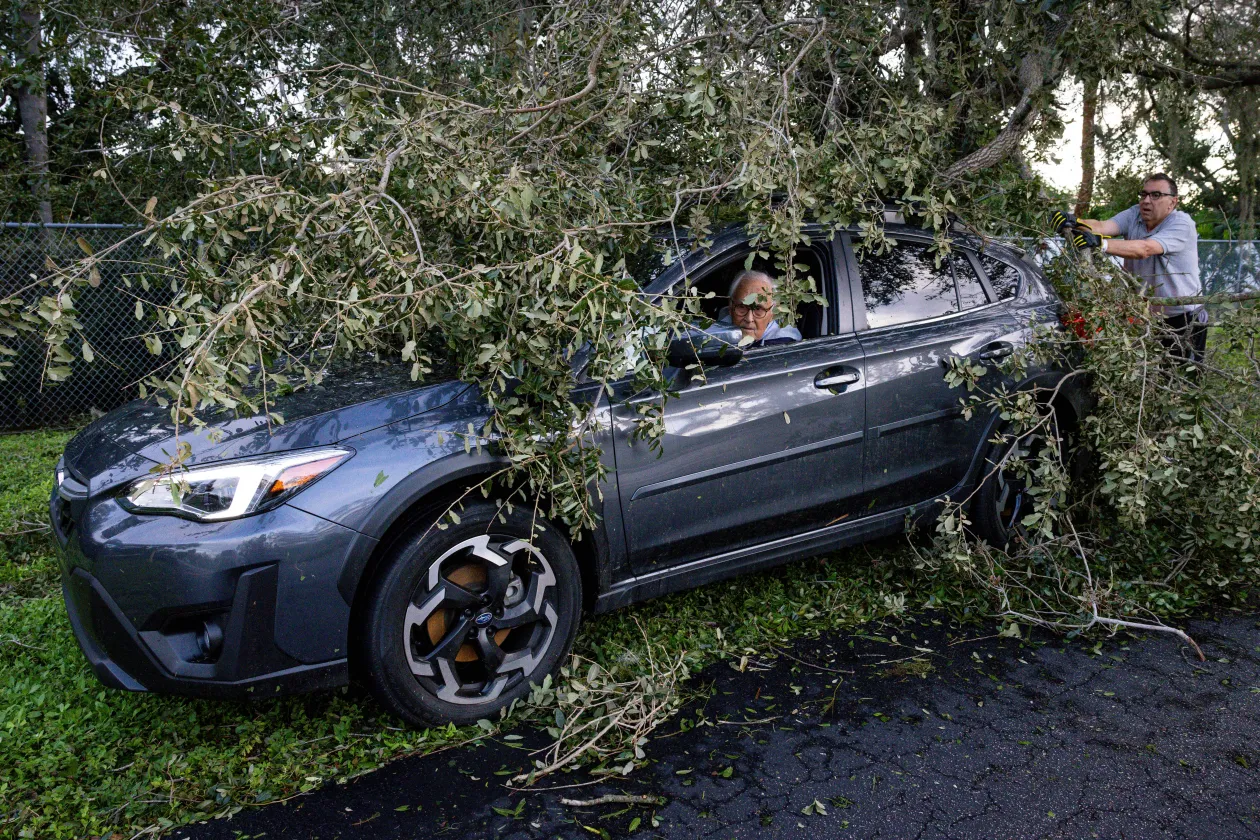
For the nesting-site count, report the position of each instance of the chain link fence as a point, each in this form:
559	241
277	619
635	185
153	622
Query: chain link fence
1229	267
28	255
1226	266
107	313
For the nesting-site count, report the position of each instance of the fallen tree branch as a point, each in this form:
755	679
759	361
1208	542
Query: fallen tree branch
1039	71
592	76
1162	628
810	664
615	799
1194	299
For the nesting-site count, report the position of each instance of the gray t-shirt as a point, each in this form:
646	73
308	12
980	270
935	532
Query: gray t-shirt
1174	273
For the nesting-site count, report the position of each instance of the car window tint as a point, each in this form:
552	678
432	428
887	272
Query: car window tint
970	289
1003	278
904	285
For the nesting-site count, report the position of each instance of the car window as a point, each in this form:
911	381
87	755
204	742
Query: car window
1003	278
970	290
904	285
711	284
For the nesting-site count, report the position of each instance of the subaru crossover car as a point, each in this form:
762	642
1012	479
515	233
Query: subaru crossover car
296	555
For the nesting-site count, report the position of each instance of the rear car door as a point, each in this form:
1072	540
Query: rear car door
912	315
764	449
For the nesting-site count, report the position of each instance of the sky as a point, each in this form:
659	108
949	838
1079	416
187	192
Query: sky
1063	168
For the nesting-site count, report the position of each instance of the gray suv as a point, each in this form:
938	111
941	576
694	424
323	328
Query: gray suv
299	554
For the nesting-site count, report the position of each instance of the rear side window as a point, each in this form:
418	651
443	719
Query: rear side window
970	289
905	285
1003	278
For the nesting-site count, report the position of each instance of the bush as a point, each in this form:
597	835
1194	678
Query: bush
1169	517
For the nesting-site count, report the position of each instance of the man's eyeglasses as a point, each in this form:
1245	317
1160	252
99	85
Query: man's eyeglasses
739	310
1154	195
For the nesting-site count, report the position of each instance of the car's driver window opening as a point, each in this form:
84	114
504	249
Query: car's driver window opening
718	278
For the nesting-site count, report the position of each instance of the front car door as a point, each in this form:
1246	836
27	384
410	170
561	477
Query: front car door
912	315
765	449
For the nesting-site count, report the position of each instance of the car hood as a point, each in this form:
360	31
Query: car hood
131	439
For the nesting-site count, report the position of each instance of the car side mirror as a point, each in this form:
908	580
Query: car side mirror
714	346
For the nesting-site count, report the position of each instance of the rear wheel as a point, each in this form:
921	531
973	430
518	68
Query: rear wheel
1005	497
462	620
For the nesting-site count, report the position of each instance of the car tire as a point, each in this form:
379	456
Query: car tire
463	618
1002	500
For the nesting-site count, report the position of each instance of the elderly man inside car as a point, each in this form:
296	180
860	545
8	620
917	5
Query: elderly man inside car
752	310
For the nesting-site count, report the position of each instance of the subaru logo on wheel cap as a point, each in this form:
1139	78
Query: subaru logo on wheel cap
483	619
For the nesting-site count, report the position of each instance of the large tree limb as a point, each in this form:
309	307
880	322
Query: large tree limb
1221	80
1039	70
1007	141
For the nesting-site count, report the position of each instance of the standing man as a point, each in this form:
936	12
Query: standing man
1161	246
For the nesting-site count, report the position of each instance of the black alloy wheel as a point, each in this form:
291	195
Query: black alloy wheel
1013	501
1004	499
466	618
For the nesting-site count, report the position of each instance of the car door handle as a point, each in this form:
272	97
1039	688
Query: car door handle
997	350
837	378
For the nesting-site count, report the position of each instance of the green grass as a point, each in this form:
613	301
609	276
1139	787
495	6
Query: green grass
80	760
26	481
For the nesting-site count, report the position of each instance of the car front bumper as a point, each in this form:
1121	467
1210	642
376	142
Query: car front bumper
245	608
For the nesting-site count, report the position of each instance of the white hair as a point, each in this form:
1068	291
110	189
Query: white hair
750	275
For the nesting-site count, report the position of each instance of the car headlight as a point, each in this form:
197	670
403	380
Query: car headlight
237	488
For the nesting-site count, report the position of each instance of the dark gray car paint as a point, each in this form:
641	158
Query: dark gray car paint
363	398
409	445
918	442
717	488
153	566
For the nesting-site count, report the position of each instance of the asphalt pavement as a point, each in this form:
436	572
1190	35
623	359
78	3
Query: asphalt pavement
913	730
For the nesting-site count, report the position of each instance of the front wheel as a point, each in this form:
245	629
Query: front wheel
462	620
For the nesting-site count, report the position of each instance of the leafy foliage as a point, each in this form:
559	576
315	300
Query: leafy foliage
468	190
1167	508
480	214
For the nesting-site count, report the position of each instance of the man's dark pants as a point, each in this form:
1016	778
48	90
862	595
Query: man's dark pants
1190	337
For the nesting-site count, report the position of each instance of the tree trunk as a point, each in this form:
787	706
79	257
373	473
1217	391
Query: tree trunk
1085	194
1247	201
32	101
1247	164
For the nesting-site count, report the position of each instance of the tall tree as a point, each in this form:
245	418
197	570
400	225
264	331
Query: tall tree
1198	66
30	91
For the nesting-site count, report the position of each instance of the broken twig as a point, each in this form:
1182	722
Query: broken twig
614	799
